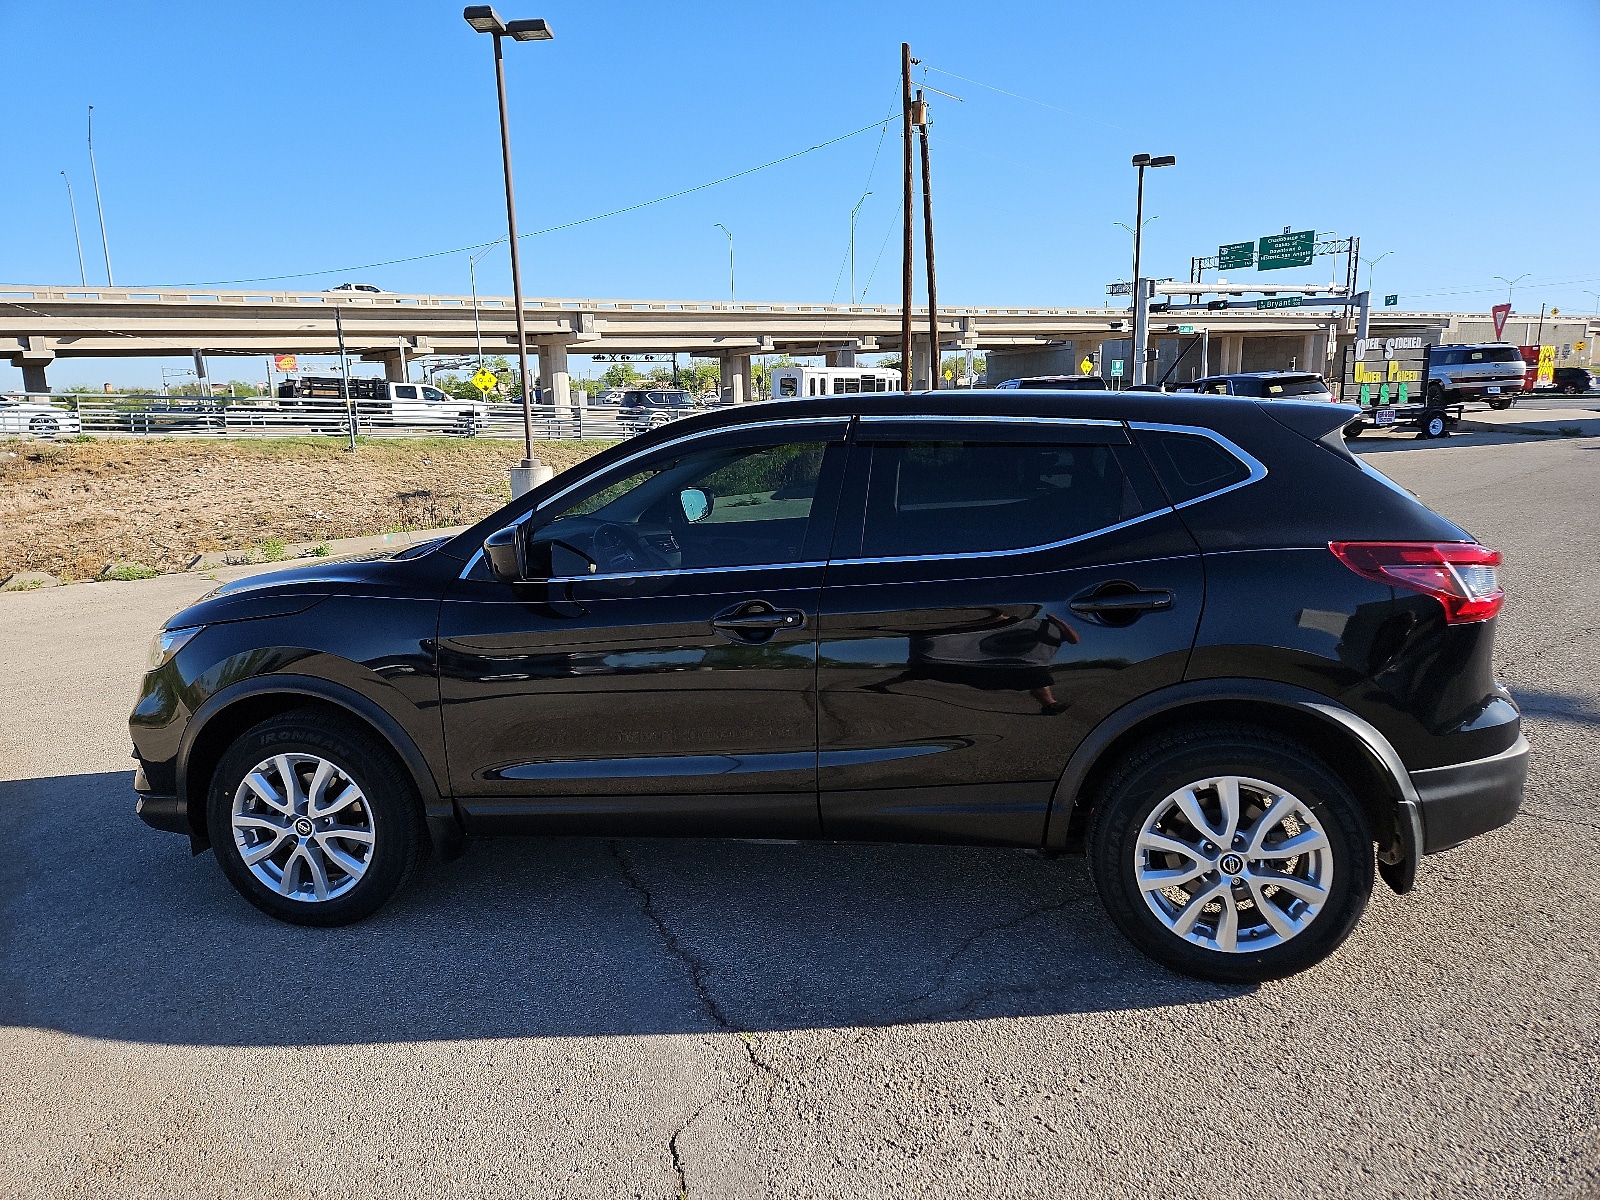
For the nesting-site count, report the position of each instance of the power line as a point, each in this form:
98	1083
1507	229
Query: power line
616	212
1029	99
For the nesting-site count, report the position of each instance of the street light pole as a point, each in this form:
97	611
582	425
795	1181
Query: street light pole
472	276
484	19
1372	264
344	374
1511	283
1141	305
99	208
853	213
724	229
83	275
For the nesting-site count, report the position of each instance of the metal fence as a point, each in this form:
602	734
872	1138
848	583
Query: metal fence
158	416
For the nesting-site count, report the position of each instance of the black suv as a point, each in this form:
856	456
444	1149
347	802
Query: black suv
1196	639
1263	385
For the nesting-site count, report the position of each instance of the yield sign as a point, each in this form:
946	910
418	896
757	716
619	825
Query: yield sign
1500	313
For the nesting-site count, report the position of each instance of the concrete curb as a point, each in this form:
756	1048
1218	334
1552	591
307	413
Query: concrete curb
1585	427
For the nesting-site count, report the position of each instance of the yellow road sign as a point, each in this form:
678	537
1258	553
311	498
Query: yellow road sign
485	379
1086	366
1547	364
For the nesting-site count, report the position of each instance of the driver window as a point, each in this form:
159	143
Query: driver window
729	507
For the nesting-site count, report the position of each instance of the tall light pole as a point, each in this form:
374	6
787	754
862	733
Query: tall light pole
99	208
1372	263
1141	302
484	19
1511	283
724	229
1596	296
83	275
853	213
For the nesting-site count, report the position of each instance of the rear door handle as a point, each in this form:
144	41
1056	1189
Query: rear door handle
756	620
1105	602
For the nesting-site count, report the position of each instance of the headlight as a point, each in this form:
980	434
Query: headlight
167	643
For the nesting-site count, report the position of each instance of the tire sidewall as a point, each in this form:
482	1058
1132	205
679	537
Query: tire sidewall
1135	794
390	800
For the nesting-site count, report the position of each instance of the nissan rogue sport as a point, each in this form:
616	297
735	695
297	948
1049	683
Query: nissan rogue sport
1194	639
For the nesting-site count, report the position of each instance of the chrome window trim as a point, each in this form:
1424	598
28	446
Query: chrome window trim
976	554
672	572
778	423
1257	469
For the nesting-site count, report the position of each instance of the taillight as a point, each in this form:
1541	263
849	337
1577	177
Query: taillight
1462	576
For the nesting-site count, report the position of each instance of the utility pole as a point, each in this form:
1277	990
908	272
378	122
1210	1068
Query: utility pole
921	119
1539	337
907	245
83	275
99	208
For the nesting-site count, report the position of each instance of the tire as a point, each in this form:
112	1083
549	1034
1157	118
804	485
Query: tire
659	421
1433	424
380	830
1139	801
44	426
1354	430
1501	403
1435	395
1570	389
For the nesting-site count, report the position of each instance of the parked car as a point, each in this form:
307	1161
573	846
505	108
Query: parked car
1200	642
1263	385
1059	383
1492	372
1574	381
383	402
18	414
651	408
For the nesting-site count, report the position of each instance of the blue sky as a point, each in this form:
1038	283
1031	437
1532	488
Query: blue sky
243	141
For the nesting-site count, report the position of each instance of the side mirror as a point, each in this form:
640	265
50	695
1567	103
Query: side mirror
502	550
697	504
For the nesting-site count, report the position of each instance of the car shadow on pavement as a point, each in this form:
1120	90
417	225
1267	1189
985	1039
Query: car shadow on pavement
1551	705
113	930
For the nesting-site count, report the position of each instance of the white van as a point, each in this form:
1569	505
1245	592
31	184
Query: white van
792	382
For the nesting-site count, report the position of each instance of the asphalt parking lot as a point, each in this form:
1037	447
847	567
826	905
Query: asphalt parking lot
635	1018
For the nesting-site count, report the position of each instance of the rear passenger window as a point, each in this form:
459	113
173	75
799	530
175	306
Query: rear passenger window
1190	465
936	498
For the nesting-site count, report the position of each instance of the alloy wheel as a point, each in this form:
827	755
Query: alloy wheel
1234	864
303	827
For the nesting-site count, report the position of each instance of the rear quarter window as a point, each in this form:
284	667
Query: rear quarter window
1191	466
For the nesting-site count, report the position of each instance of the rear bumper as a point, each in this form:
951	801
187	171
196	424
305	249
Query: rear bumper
1466	799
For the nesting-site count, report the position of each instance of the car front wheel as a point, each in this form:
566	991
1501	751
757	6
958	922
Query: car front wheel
314	821
1230	854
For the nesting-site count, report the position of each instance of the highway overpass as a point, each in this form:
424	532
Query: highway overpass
40	324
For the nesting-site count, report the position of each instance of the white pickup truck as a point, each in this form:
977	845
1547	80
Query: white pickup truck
382	402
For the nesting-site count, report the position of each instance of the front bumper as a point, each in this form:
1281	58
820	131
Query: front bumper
1466	799
166	813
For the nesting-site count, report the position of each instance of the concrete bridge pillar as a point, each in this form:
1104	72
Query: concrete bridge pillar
33	379
554	381
394	366
841	358
735	378
921	364
202	377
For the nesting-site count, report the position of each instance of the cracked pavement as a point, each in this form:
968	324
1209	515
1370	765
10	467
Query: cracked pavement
650	1018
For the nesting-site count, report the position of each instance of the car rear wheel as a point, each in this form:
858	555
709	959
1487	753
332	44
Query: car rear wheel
658	420
313	820
1501	403
44	426
1230	854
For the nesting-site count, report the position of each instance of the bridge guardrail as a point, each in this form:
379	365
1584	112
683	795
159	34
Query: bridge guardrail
159	416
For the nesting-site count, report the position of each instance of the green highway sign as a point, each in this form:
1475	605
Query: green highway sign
1390	301
1116	368
1236	255
1279	302
1185	328
1279	250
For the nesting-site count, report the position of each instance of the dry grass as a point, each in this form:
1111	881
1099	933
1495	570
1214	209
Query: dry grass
70	508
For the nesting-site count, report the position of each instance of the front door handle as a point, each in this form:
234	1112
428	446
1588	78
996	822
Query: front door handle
756	621
1122	602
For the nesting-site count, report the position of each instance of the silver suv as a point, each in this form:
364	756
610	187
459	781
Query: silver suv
1491	372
